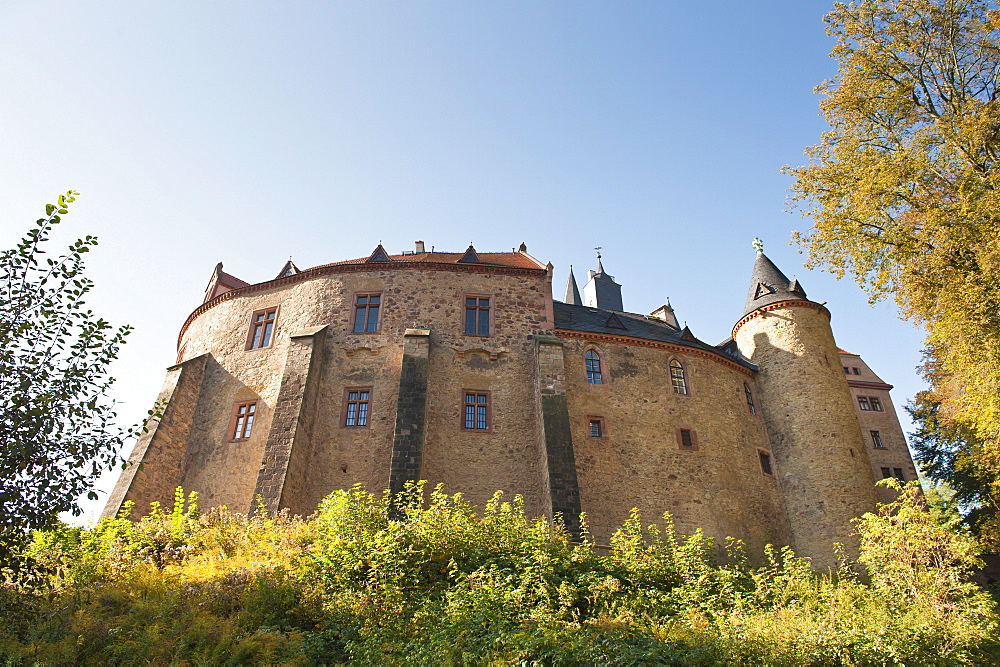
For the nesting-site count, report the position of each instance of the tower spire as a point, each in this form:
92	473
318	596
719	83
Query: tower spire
572	291
768	284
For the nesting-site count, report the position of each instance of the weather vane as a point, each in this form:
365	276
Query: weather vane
758	245
598	249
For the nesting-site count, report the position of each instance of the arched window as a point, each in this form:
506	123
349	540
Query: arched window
594	374
677	378
750	404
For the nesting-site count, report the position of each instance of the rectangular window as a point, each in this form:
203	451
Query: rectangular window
241	424
886	473
366	311
477	315
875	403
595	427
765	462
477	411
855	371
877	440
898	474
863	403
687	438
357	406
847	371
261	328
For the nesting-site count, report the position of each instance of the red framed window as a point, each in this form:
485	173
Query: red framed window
687	438
367	307
241	424
596	427
477	315
476	412
357	406
261	328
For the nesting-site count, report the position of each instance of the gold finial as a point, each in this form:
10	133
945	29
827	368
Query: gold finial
758	245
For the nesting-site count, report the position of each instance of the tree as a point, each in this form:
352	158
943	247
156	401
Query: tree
903	192
56	419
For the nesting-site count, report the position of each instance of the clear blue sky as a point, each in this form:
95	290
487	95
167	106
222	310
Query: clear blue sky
247	132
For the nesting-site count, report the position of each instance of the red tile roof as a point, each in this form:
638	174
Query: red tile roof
512	259
231	281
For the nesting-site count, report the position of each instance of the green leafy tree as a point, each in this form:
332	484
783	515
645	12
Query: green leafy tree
903	193
56	420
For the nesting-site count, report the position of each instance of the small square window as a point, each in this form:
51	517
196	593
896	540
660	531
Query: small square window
875	403
241	423
367	307
877	440
847	371
357	407
765	462
886	473
898	474
595	427
477	315
261	332
855	371
476	414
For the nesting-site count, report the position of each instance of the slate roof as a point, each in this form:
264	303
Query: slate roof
572	291
596	320
769	285
511	259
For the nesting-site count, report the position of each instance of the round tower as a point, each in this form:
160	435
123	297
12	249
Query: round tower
819	453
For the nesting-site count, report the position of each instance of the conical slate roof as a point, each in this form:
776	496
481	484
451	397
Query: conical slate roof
769	285
572	291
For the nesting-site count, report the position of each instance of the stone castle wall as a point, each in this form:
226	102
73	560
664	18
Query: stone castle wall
419	365
718	486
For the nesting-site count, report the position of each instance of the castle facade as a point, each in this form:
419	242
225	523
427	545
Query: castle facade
462	369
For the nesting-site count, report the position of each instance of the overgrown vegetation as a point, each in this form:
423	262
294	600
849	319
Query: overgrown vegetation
448	585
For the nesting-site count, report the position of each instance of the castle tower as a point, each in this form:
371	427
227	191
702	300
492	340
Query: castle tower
601	290
819	454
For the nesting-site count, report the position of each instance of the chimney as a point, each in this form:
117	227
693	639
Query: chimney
420	247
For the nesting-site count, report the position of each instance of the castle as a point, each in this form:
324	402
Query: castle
462	369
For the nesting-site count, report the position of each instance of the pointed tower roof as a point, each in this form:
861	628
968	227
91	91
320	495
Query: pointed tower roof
769	285
572	291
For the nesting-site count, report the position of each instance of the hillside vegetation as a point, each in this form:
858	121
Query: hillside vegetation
446	584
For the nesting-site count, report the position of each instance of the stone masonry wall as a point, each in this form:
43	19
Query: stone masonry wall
156	465
558	462
408	436
336	456
894	452
280	481
717	486
821	457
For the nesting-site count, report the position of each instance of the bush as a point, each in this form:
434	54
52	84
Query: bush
433	580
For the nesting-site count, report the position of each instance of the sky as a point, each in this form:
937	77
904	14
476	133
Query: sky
247	133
